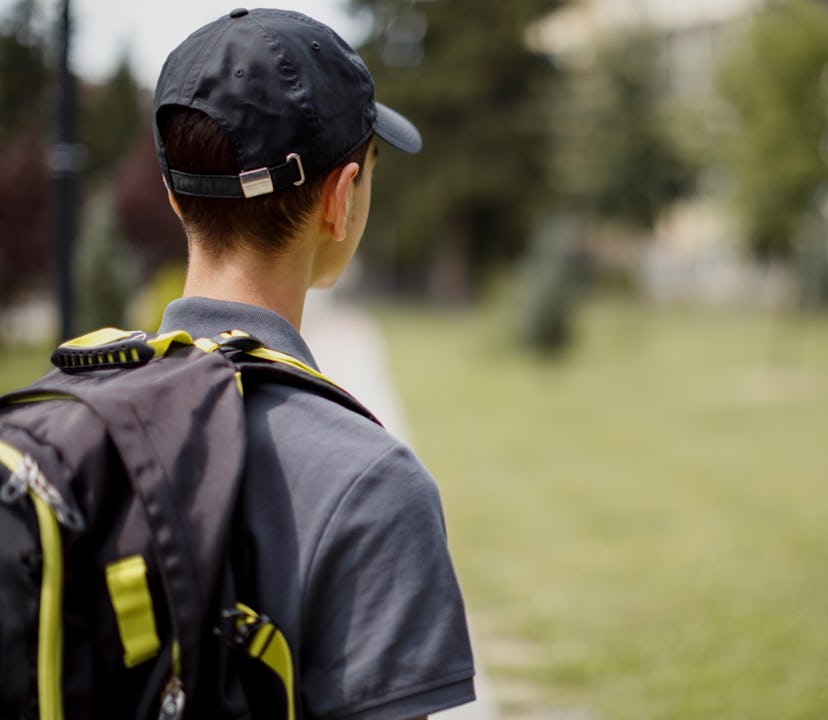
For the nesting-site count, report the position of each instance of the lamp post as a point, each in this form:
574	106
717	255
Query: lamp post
65	162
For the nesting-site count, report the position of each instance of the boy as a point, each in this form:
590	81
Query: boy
267	133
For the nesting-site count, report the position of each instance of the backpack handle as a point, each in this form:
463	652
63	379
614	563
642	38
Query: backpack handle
110	347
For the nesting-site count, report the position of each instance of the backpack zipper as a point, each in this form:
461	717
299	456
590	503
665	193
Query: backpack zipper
50	635
173	700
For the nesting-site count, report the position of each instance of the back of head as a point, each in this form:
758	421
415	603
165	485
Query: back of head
196	144
253	111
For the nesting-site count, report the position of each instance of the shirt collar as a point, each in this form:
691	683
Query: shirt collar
205	317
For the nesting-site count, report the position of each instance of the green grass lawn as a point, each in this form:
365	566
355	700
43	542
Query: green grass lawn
641	527
20	365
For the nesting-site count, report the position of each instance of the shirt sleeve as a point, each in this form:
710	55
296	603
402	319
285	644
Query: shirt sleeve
385	634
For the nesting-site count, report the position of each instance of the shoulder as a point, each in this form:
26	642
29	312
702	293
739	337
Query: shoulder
377	610
304	423
328	458
347	479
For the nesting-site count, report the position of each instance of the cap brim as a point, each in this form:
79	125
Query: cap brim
397	130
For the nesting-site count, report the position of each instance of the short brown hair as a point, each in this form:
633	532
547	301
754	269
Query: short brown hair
195	143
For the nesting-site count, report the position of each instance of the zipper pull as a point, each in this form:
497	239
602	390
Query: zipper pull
172	701
28	476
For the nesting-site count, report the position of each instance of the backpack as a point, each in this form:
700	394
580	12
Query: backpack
119	473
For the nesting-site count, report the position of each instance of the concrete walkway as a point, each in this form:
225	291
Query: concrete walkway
350	349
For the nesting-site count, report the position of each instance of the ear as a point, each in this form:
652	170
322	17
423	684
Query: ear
173	203
339	188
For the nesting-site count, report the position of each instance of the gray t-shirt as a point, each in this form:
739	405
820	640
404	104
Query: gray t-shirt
345	543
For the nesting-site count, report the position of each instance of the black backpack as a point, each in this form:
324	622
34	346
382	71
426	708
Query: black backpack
119	473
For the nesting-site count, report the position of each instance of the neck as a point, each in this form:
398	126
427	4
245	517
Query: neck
277	283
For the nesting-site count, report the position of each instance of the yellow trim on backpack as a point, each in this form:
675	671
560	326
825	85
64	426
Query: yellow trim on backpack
50	627
108	335
103	336
284	358
269	645
161	343
50	632
205	345
10	456
129	592
39	397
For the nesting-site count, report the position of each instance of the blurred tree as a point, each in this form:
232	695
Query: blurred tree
462	72
552	273
616	158
128	229
25	217
810	255
776	83
24	76
107	270
110	118
25	188
148	222
160	290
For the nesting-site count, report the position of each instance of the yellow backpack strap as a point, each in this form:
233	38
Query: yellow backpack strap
259	638
253	347
262	364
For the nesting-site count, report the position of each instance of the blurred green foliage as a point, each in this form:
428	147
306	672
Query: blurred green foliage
810	255
462	72
776	83
112	114
164	286
126	228
24	74
107	268
24	180
552	274
615	155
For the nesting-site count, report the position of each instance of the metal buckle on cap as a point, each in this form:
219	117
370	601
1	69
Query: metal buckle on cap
256	182
295	157
260	181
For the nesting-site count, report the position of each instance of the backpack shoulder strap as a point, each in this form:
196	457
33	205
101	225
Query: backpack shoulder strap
114	348
260	364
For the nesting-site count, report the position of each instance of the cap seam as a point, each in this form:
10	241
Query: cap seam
184	96
293	76
191	80
353	59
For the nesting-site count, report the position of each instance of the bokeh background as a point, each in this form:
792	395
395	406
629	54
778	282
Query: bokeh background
603	287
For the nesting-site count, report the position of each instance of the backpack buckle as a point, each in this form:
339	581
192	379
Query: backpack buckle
236	340
239	625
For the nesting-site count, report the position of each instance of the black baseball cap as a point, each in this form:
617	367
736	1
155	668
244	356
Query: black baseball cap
292	96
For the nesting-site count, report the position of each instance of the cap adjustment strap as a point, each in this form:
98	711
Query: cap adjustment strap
248	184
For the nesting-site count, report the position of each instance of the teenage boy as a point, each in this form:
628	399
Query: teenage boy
267	132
